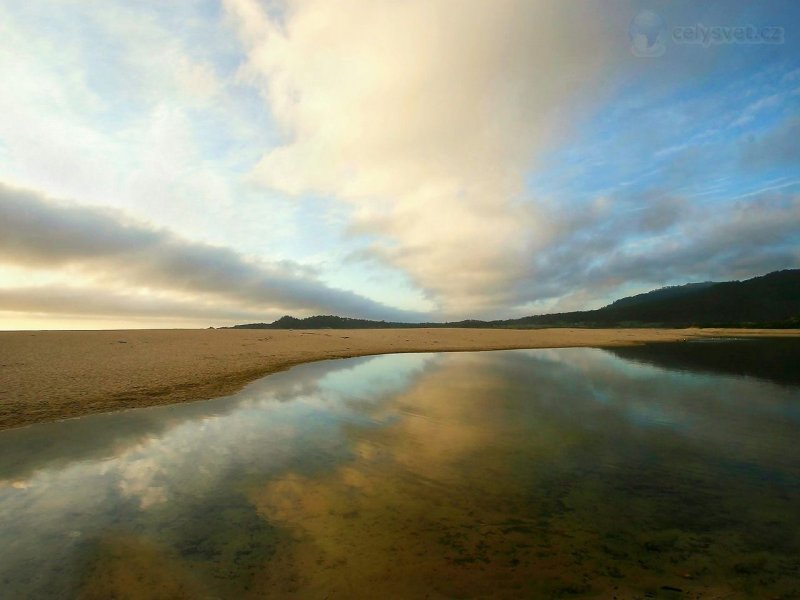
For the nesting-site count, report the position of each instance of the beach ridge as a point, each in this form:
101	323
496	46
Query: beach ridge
52	375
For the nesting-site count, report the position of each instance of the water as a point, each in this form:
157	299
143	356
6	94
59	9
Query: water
654	472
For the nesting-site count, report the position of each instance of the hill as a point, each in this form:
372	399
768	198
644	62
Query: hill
771	300
323	322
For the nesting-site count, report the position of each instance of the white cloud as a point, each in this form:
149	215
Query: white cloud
420	120
116	107
425	117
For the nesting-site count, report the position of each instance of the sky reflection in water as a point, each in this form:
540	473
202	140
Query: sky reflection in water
557	473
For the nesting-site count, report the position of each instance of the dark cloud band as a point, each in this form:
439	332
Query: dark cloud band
37	232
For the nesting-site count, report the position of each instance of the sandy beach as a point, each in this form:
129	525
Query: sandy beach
49	375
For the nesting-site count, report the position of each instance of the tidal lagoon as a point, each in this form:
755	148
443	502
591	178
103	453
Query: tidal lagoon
665	470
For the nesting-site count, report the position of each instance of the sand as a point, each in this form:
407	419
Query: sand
49	375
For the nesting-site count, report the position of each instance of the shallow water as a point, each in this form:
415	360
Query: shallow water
633	473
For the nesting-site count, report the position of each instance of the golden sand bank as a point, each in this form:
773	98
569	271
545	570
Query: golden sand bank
49	375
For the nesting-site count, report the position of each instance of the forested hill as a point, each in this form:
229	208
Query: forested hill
769	300
772	300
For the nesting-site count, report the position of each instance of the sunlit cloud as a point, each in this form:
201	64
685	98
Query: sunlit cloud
425	117
221	162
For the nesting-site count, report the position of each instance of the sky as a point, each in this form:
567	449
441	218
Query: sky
204	163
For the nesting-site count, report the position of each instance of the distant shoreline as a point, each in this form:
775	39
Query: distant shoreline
52	375
770	301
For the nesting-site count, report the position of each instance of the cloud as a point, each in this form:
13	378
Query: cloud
80	301
660	215
127	258
670	241
467	158
777	147
425	117
132	105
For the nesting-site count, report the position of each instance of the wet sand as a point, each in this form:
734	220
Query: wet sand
50	375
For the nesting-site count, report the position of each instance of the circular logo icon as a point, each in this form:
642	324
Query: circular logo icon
647	32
